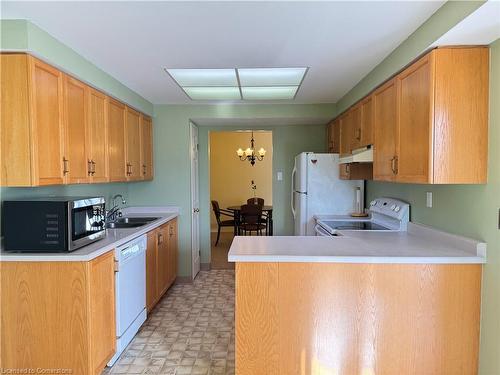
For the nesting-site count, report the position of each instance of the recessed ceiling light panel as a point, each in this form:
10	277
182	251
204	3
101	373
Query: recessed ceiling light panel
204	77
239	84
213	93
271	76
269	93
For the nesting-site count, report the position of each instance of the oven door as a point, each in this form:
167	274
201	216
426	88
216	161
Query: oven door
86	221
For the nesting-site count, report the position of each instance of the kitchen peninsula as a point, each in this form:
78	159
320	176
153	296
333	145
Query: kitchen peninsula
359	303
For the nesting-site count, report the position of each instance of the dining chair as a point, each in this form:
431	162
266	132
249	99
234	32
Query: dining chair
259	201
251	219
221	223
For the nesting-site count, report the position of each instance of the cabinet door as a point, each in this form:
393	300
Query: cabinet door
75	121
98	135
116	141
355	114
147	148
344	171
366	122
385	123
345	134
151	274
133	142
415	93
172	247
102	310
49	163
163	259
333	134
15	141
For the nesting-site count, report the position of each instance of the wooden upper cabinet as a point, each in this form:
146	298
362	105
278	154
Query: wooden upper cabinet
415	93
133	145
116	141
443	117
355	124
385	123
76	134
345	134
459	114
98	135
146	148
16	144
333	136
366	106
50	165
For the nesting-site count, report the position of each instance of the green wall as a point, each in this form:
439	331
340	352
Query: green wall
172	164
466	210
22	35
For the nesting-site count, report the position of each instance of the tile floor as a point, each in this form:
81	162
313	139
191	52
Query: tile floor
219	253
190	331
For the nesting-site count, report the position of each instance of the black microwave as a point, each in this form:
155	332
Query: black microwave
52	224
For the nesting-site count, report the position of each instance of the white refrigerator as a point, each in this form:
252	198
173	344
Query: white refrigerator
318	190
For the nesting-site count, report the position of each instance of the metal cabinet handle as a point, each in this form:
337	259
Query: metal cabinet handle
160	239
89	167
65	166
196	210
358	136
394	165
144	170
129	169
347	168
93	166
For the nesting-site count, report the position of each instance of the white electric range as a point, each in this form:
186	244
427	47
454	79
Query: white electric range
385	214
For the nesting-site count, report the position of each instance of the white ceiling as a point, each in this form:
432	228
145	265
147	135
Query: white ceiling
133	41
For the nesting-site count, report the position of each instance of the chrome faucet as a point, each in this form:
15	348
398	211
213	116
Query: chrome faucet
115	210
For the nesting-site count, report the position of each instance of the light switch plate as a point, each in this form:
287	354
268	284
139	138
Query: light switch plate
429	199
279	176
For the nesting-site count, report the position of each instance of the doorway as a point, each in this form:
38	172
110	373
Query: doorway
233	181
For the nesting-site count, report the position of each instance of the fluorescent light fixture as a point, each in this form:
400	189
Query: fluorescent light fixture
271	76
213	93
204	77
269	93
239	84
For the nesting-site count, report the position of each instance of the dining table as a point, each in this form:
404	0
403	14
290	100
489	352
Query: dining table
267	210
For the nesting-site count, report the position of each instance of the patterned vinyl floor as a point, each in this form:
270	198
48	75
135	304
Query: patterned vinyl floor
190	331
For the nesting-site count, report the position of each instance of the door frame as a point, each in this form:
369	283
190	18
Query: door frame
195	190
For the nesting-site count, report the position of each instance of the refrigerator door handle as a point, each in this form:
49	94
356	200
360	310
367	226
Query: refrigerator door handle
292	194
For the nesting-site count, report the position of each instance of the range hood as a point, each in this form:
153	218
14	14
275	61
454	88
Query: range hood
360	155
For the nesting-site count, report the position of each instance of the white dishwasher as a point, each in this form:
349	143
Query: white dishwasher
130	281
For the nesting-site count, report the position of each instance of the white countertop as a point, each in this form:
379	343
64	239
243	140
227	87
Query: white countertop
114	238
420	244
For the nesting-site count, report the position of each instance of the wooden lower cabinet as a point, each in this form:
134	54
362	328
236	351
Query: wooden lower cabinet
161	262
330	318
58	315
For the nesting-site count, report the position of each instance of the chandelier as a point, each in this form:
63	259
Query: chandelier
249	153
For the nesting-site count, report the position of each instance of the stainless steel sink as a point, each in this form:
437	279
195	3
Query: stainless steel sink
130	222
136	219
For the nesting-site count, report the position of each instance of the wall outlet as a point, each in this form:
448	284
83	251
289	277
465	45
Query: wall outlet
429	199
279	176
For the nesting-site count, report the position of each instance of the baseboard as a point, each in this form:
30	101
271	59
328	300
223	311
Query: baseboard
183	280
205	267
